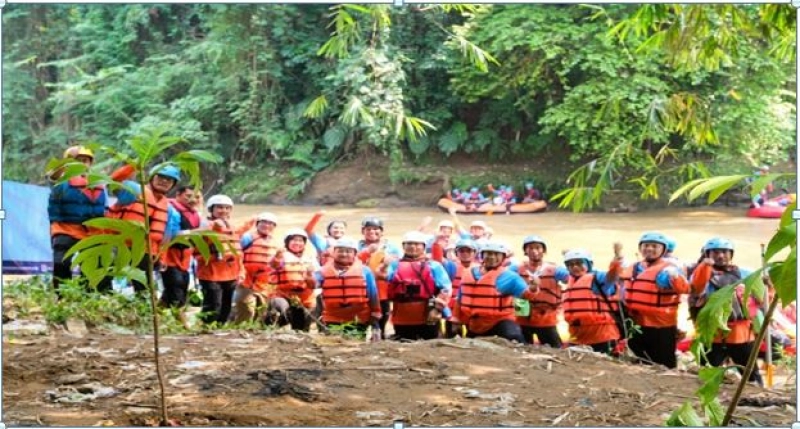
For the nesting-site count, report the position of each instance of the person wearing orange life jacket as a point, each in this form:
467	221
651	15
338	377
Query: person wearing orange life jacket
292	302
419	289
130	206
465	251
349	293
72	202
715	273
251	297
486	296
219	274
176	261
653	288
375	251
538	317
590	302
324	245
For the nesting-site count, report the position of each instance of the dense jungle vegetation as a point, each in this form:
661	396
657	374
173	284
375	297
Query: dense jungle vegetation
294	89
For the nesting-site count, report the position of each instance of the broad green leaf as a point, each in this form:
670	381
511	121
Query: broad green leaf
712	378
716	186
784	277
199	156
714	315
786	217
785	237
685	416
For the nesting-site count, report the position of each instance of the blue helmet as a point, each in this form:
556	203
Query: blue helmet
718	243
168	170
581	255
456	191
655	237
529	185
671	244
533	239
465	242
474	189
494	246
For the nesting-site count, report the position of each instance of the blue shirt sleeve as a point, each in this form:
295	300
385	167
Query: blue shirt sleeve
125	196
390	270
440	277
246	240
451	268
561	274
602	284
510	283
393	250
319	278
319	242
372	286
662	278
173	224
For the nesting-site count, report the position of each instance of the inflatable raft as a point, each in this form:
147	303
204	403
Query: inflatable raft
773	208
539	206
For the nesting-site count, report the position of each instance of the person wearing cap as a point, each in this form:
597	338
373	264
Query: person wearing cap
653	287
219	274
251	297
474	199
486	297
71	203
716	273
419	289
443	236
477	232
531	194
669	255
374	250
465	258
292	302
590	302
349	292
538	317
335	230
130	206
176	260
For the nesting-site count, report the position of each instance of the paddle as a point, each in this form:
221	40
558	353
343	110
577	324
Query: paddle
768	354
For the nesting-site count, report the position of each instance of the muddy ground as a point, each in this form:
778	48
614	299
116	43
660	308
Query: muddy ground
282	378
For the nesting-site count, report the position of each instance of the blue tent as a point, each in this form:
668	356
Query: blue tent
26	229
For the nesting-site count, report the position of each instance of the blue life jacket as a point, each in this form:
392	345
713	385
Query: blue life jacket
69	204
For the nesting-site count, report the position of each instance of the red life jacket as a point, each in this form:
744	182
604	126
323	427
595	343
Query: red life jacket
191	216
481	305
412	281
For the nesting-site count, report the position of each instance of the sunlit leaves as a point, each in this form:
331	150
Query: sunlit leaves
317	107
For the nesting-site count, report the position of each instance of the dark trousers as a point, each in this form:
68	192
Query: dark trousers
547	336
176	287
62	269
217	300
739	353
606	347
656	345
415	332
504	329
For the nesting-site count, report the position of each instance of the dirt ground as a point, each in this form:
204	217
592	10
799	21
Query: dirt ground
282	378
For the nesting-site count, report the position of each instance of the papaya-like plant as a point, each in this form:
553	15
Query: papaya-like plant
118	250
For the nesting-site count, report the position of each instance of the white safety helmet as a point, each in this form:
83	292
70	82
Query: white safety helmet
347	243
579	254
493	246
479	224
295	232
267	217
415	237
219	199
446	224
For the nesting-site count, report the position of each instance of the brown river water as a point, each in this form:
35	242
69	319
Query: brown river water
690	227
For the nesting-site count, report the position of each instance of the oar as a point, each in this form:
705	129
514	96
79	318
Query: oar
768	358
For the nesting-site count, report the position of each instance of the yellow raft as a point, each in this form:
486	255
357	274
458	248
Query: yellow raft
488	208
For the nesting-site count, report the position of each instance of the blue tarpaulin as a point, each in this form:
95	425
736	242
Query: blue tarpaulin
26	229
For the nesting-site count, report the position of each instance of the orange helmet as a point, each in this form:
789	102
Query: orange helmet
76	151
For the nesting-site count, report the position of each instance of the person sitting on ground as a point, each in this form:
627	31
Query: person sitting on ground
349	293
292	302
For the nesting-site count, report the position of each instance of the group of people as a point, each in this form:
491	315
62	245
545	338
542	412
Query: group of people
501	196
447	282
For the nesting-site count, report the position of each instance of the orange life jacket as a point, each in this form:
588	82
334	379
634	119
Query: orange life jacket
158	212
344	295
180	255
224	264
643	296
481	305
544	306
374	262
584	307
456	282
256	260
290	280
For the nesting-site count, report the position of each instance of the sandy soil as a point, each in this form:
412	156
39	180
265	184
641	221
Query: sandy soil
283	378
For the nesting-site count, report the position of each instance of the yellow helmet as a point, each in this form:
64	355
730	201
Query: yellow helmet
76	151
